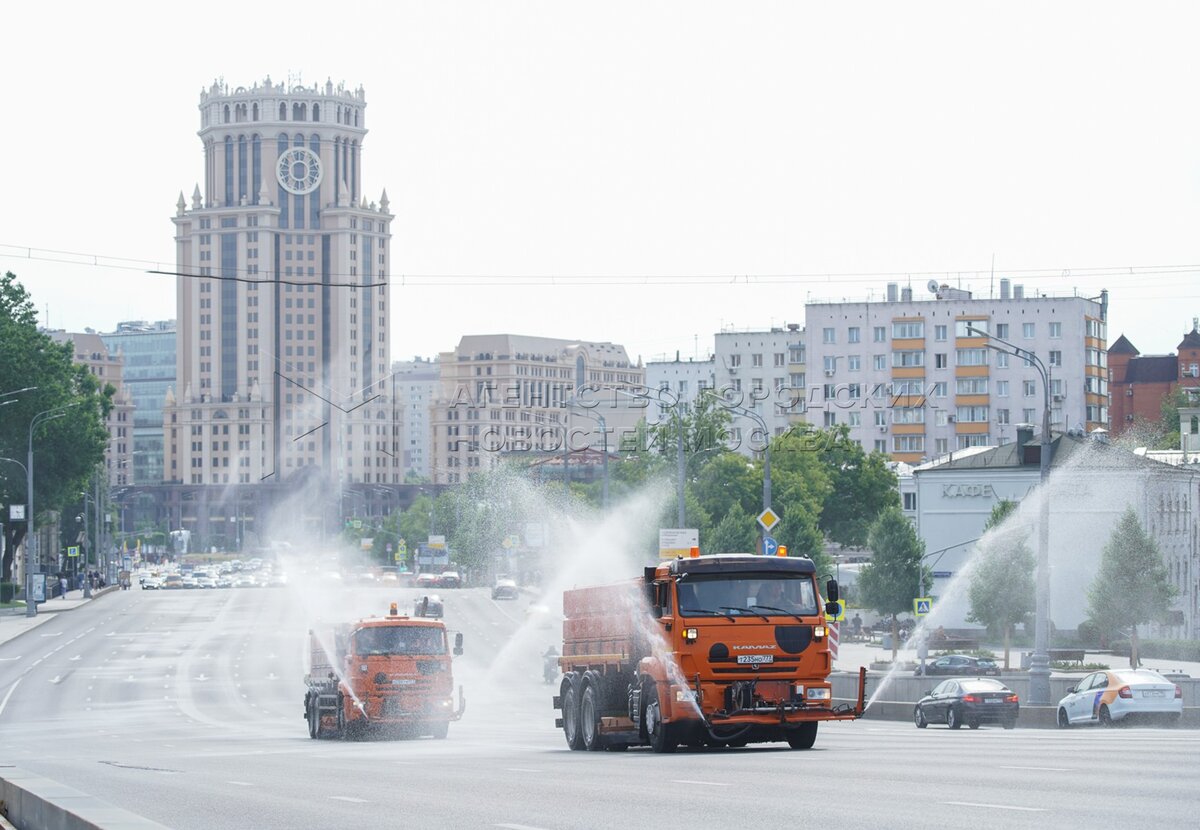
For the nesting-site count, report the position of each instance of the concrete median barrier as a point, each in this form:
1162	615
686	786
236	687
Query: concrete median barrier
31	802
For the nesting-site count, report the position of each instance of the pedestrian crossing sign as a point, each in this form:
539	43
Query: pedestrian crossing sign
922	606
73	550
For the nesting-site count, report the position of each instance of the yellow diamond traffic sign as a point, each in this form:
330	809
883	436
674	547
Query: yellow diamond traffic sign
768	519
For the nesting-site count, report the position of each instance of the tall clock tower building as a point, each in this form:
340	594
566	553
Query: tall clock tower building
283	299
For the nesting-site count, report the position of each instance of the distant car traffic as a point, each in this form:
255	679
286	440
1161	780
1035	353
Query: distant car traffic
1110	697
151	583
428	606
960	665
449	579
505	589
426	580
973	701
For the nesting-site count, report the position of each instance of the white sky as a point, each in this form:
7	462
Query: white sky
688	142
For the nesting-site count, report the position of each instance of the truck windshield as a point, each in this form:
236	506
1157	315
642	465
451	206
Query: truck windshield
399	640
749	594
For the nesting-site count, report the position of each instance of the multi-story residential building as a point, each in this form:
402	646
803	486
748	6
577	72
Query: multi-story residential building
1140	382
678	383
763	371
1091	484
415	385
509	394
918	378
148	352
90	351
283	303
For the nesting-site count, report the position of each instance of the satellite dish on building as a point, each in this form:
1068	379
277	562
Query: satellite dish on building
932	285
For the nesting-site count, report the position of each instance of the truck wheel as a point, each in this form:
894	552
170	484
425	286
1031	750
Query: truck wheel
589	719
662	738
570	718
440	730
804	737
314	719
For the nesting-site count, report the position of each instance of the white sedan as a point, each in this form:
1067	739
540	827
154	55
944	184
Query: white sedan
1108	697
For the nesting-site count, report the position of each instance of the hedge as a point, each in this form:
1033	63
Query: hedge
1161	649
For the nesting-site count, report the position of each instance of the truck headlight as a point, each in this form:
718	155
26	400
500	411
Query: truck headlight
690	635
685	696
818	694
818	632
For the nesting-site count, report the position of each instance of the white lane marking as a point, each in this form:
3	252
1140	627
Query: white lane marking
348	798
202	677
58	678
701	783
76	657
1043	769
55	634
240	783
7	659
520	827
11	689
995	806
522	769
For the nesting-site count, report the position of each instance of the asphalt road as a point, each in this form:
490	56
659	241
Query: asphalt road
185	707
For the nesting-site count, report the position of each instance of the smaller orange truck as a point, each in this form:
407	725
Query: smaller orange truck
383	675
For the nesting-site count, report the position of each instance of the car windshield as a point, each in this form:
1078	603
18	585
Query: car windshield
983	686
753	594
399	640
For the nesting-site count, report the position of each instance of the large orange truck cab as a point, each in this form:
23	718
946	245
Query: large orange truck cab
389	675
717	650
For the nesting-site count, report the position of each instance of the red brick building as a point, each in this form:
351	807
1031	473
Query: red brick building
1138	383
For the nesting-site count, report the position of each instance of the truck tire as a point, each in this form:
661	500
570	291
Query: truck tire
440	729
570	715
662	736
313	717
589	717
803	737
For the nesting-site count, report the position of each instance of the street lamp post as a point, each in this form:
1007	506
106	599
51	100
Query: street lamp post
31	546
599	419
1039	667
750	413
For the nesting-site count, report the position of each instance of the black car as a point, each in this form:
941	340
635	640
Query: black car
960	665
969	700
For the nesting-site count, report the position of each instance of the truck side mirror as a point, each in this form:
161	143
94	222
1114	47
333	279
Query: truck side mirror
831	591
458	644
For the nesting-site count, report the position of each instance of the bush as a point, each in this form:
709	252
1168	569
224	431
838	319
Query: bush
8	591
1066	665
1161	649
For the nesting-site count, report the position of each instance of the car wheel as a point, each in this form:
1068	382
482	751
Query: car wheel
1011	723
952	718
1105	716
973	723
1064	722
919	718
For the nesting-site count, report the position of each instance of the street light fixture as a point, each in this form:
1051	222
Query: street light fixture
1039	667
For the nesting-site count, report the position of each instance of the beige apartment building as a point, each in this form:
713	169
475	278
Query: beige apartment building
282	300
89	350
506	395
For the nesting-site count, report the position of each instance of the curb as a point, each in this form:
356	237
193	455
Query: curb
28	800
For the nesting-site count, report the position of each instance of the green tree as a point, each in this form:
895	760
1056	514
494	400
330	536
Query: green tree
887	582
1168	426
1132	586
862	486
1002	591
735	533
67	449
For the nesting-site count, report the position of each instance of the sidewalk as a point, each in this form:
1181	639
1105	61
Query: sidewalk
14	623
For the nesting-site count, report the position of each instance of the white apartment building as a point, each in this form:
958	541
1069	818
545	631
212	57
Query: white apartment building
677	383
283	298
913	377
505	395
415	385
763	371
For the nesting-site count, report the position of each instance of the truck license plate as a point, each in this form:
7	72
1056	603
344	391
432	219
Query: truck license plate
756	658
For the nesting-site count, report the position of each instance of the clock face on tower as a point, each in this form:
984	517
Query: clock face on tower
299	170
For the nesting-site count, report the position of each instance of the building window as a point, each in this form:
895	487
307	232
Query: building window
1027	331
965	441
828	336
1002	388
963	328
971	386
1028	388
756	361
854	363
972	357
1002	416
855	419
1001	360
908	329
830	419
908	443
1002	330
779	359
880	362
972	414
939	332
1028	416
880	334
1055	357
880	445
908	359
910	501
940	445
735	360
1055	331
853	336
939	389
940	361
908	415
941	417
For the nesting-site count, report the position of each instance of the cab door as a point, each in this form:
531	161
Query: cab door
1078	705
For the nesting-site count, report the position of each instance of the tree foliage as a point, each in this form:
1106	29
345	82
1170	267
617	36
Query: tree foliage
861	486
886	584
67	449
1132	586
1002	591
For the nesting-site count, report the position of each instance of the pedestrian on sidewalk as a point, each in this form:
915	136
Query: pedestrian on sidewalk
62	586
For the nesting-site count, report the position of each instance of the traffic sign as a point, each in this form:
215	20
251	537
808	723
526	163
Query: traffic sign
73	550
768	519
922	606
16	512
770	546
389	547
841	614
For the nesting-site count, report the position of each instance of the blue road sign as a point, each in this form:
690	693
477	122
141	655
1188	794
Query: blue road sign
770	546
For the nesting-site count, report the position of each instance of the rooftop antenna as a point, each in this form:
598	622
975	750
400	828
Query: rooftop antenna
992	284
